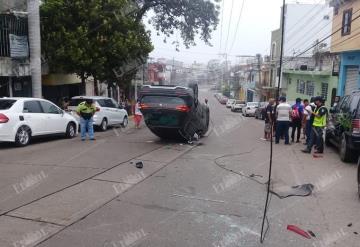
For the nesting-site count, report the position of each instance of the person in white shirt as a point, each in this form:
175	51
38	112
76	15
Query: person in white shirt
138	115
307	114
283	116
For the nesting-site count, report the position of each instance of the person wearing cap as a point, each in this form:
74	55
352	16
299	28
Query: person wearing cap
283	115
86	111
319	123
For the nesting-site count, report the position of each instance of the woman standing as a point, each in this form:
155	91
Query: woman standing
138	115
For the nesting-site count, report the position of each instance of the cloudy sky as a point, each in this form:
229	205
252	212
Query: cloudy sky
257	20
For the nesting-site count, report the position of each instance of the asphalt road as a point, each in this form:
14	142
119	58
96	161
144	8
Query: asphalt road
58	192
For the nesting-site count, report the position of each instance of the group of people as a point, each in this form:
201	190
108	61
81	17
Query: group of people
304	116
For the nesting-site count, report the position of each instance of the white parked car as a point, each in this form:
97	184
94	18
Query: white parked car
250	108
24	118
238	105
230	102
108	111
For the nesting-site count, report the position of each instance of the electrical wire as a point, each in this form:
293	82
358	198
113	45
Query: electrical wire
237	26
229	26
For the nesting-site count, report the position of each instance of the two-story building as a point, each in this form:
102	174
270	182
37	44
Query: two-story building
346	43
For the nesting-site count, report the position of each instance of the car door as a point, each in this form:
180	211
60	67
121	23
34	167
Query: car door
34	117
119	113
55	122
111	110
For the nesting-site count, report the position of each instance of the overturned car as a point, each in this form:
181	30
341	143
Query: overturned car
174	112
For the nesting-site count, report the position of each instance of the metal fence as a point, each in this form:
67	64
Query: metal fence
11	24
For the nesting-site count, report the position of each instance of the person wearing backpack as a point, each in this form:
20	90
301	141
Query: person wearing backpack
296	118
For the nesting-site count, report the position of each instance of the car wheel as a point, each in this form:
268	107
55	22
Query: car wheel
125	122
345	152
23	136
70	131
358	176
104	125
256	116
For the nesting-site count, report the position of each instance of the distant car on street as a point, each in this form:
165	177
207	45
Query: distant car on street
260	112
22	119
174	112
250	108
230	102
237	106
343	128
223	100
108	111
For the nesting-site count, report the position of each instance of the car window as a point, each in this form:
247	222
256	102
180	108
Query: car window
354	105
32	106
101	102
345	106
6	104
115	103
50	108
109	103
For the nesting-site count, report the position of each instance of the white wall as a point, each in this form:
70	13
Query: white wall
304	25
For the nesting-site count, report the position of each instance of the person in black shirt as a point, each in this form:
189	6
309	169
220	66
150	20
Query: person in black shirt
269	120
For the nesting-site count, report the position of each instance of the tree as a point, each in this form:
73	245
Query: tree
191	18
91	38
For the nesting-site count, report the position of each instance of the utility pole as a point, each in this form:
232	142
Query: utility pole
35	46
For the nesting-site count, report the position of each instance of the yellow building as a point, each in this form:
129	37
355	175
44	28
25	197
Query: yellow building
346	43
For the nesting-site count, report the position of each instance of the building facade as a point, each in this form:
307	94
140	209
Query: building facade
346	43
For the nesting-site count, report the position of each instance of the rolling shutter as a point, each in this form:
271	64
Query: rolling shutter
352	80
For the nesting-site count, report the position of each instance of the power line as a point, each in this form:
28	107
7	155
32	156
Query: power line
222	23
229	26
237	25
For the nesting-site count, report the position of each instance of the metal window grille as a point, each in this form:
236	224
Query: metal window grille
10	24
324	90
310	88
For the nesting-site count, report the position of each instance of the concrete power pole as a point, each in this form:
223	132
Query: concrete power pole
35	46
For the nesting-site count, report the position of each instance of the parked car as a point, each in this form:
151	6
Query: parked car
250	108
223	100
237	106
22	119
260	112
174	112
358	175
108	111
343	129
230	102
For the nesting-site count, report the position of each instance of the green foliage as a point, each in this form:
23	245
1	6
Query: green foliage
344	120
191	18
91	38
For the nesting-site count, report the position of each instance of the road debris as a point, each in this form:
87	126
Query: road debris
139	165
298	190
298	231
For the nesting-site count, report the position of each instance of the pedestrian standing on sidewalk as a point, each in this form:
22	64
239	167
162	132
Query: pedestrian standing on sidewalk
320	118
296	118
138	115
86	111
283	114
306	120
269	120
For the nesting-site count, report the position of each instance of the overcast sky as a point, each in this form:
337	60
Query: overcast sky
258	19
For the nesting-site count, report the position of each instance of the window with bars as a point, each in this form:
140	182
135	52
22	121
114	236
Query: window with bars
346	23
310	88
324	90
10	24
300	87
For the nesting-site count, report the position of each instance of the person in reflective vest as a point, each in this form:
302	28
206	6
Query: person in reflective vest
320	118
86	111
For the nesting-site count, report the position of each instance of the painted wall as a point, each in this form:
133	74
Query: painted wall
348	42
347	59
291	93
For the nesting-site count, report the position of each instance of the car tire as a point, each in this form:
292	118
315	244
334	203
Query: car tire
345	151
23	136
70	130
125	122
256	116
358	176
104	125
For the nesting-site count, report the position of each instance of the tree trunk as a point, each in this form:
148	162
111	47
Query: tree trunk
83	84
96	88
35	46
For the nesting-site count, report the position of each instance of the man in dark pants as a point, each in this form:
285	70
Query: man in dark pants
283	113
320	117
296	118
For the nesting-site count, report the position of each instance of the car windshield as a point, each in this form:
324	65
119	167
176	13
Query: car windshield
253	104
240	102
76	102
6	104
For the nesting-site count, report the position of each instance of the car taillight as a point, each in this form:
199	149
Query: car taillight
3	118
97	109
356	126
143	106
183	108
